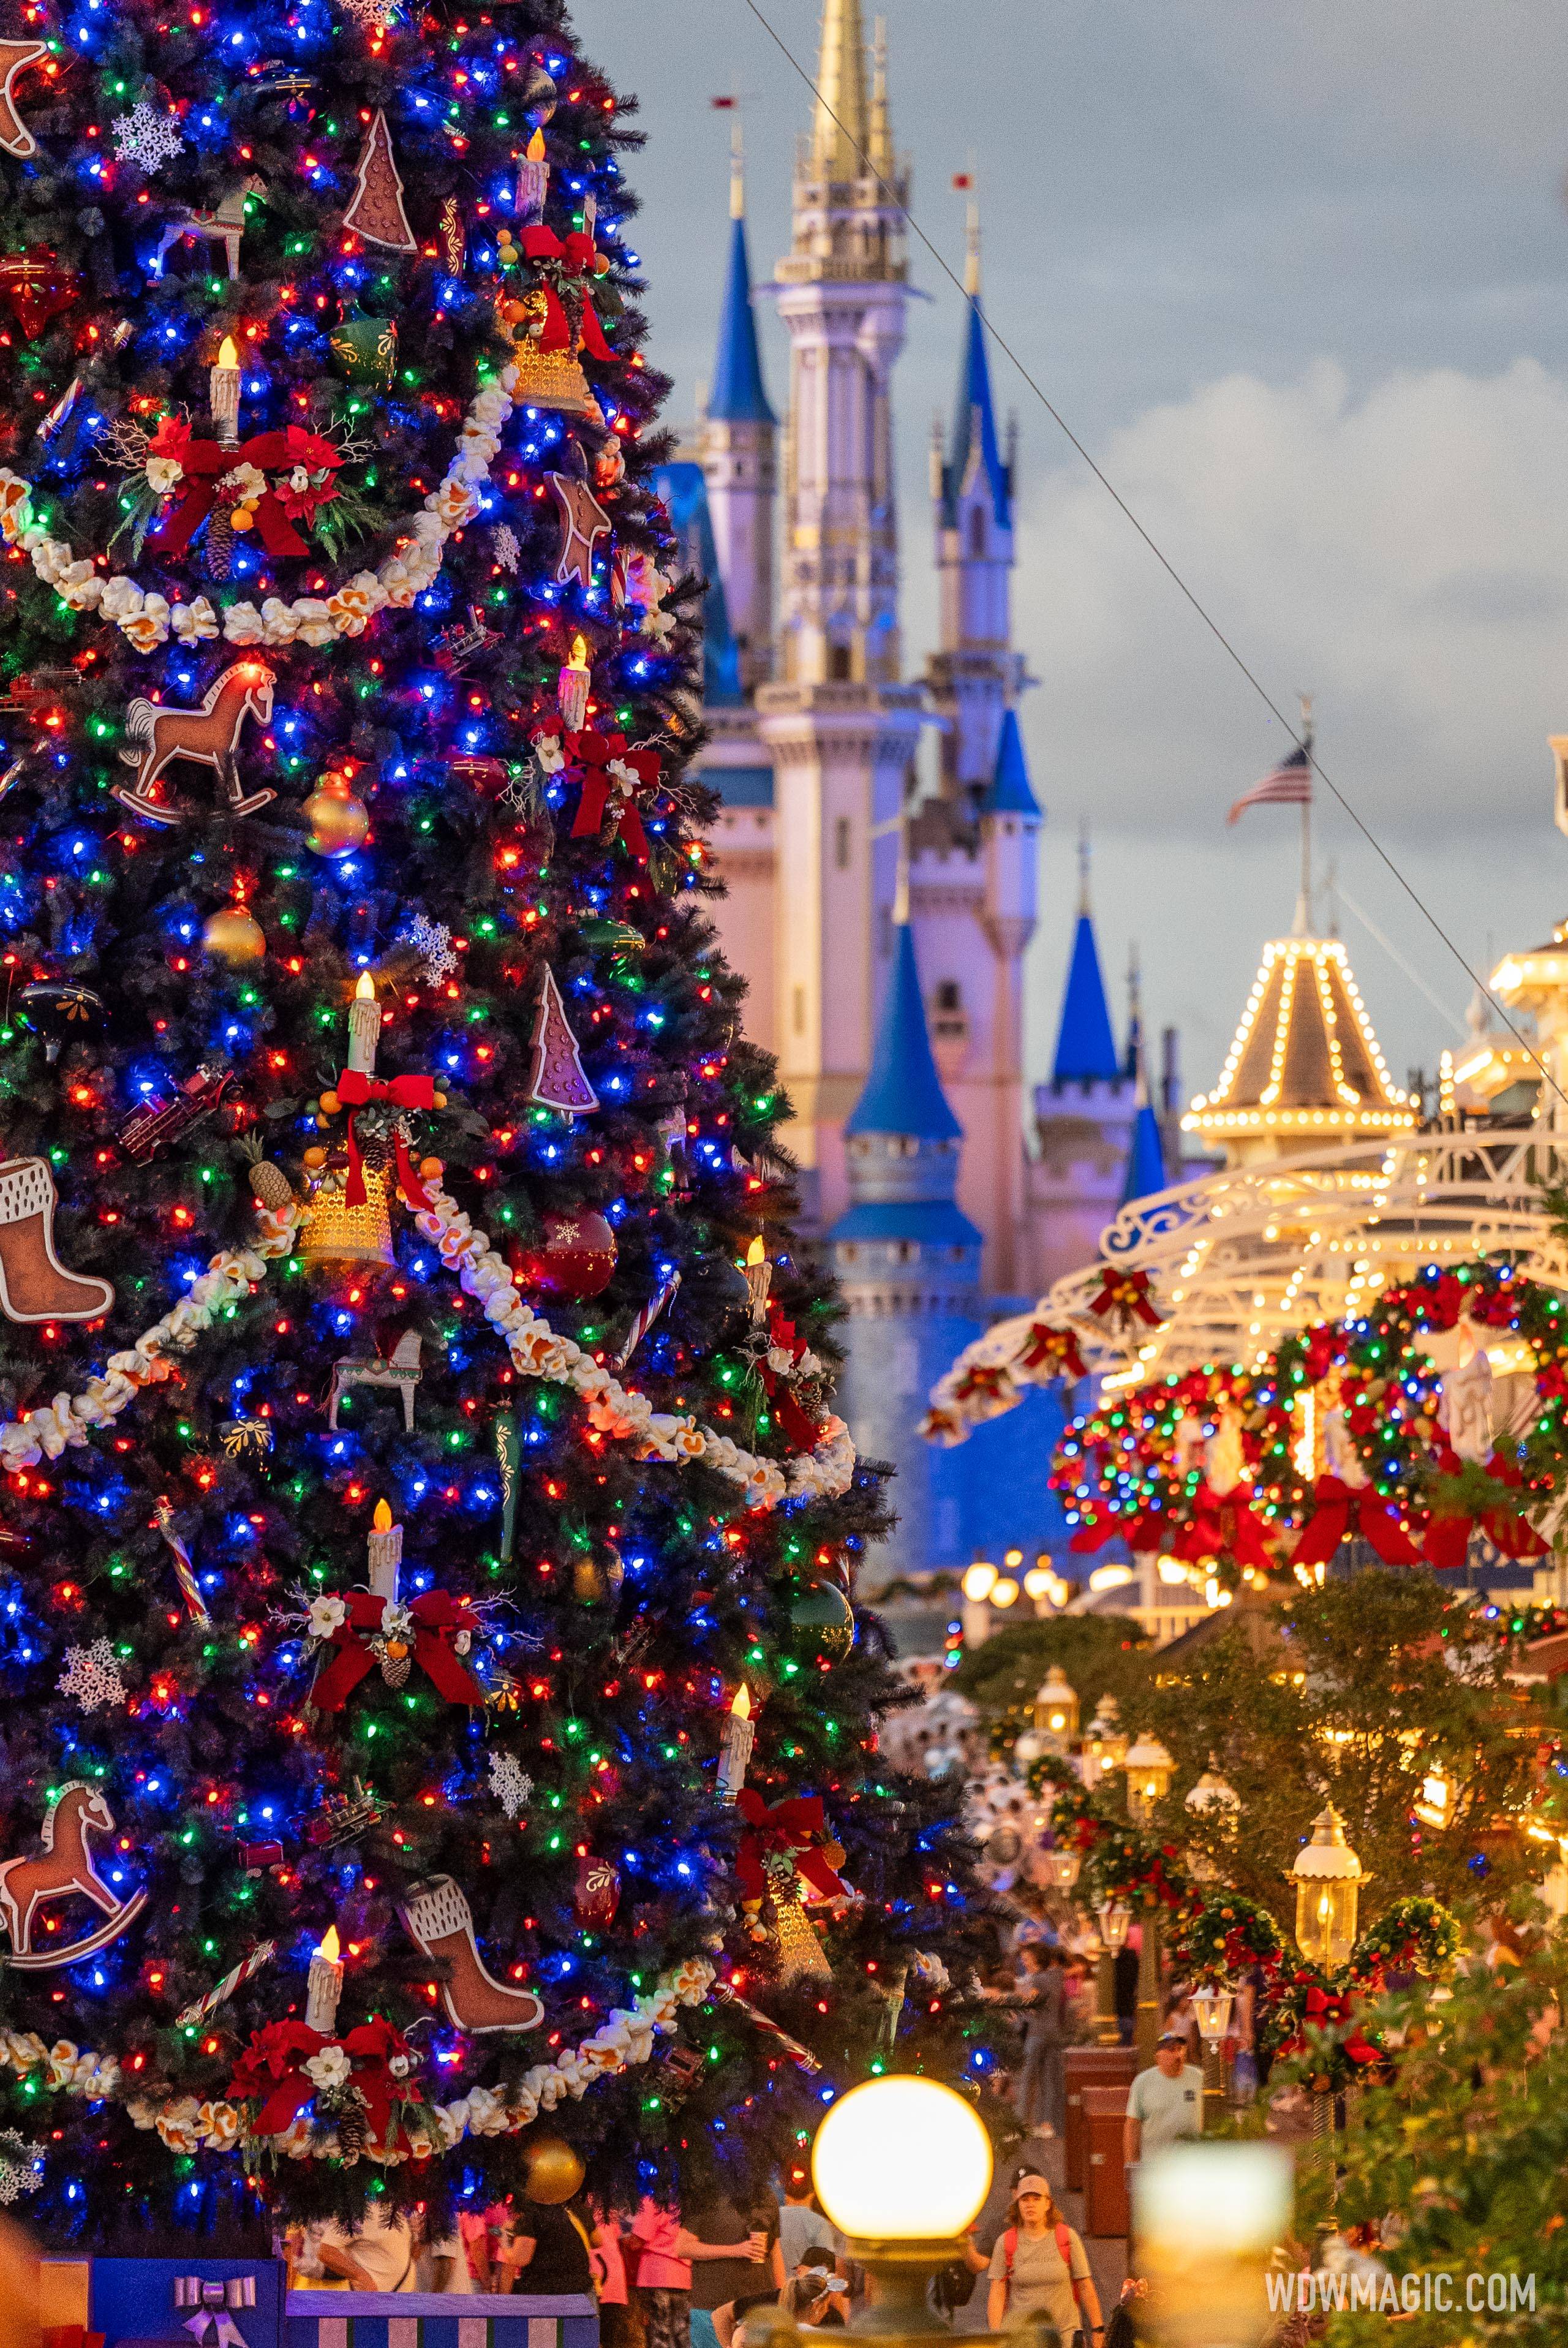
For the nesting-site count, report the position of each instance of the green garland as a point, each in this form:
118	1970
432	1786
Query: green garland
1418	1936
1222	1932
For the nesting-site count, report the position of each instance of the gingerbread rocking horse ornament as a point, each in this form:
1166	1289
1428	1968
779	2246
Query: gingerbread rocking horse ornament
64	1870
207	737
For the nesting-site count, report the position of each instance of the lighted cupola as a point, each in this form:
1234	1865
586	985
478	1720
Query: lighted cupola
1305	1068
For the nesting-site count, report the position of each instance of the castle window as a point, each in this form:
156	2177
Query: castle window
977	533
838	663
842	843
948	1021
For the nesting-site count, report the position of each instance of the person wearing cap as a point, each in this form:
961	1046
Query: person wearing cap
1165	2103
1040	2266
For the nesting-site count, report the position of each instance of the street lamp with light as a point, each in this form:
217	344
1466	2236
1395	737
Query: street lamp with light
979	1581
1329	1879
1115	1920
1217	1805
901	2166
1148	1768
1211	2010
1057	1708
1003	1591
1105	1742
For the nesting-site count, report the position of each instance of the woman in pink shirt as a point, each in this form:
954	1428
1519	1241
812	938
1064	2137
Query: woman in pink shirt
615	2329
664	2280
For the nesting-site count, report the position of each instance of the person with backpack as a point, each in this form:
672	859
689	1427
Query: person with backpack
1040	2265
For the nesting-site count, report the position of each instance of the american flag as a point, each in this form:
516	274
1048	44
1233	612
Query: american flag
1288	785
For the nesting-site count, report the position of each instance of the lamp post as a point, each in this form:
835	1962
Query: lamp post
1105	1742
1114	1922
1057	1708
1329	1879
1148	1768
979	1581
900	2166
1212	2008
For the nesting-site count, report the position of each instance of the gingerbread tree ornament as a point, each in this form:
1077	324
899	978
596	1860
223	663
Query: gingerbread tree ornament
375	209
558	1079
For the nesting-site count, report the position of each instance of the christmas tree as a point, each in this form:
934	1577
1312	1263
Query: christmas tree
433	1699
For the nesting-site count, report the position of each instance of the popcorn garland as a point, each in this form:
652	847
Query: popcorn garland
537	1352
63	1423
187	2125
148	620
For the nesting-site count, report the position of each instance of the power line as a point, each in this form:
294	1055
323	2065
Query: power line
1303	740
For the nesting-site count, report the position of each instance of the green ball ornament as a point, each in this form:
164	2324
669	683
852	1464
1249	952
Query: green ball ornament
365	350
821	1621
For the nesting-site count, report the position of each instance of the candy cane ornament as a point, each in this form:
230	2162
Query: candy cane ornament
645	1320
261	1954
184	1572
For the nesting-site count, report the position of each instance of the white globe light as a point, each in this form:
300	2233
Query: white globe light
902	2159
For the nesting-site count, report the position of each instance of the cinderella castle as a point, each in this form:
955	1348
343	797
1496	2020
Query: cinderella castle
880	901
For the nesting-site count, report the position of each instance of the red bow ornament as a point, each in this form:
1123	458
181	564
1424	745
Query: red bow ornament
199	468
1326	2009
787	1357
1447	1537
1053	1352
573	256
1143	1531
1222	1523
433	1632
383	2062
1341	1511
1123	1299
356	1092
612	773
794	1829
987	1388
271	2072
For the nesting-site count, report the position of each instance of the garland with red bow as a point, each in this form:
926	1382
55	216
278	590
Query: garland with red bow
205	464
798	1428
1342	1511
1048	1353
795	1829
430	1626
611	771
269	2076
1223	1524
1123	1298
1448	1535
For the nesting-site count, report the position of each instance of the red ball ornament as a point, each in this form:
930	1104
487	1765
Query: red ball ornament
598	1891
575	1256
37	287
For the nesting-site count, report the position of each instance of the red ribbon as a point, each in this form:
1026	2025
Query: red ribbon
1141	1532
1325	2008
1123	1297
1448	1538
1341	1511
207	462
788	1827
988	1382
576	254
270	2069
1055	1350
404	1092
1223	1522
437	1617
592	753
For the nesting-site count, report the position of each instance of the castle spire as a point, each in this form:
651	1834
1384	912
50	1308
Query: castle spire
1086	1047
903	1092
974	451
878	146
841	131
738	395
972	249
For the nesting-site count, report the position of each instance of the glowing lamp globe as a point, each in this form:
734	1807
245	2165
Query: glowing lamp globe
901	2160
1057	1706
1327	1877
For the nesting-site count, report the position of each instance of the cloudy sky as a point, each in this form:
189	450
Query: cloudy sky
1295	275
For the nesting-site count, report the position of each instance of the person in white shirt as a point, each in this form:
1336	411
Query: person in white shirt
1164	2103
377	2255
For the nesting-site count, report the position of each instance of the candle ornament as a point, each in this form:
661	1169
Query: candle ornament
224	391
363	1027
323	1984
740	1735
571	687
759	1280
385	1548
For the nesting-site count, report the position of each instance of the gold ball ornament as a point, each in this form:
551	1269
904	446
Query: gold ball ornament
234	937
554	2171
338	821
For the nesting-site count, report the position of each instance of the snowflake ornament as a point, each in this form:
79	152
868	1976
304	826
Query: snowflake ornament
509	1783
92	1677
145	136
21	2166
507	551
376	15
432	941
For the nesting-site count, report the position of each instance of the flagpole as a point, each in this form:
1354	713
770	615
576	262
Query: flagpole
1307	818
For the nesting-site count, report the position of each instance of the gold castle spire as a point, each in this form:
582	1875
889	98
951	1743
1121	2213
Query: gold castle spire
841	130
878	147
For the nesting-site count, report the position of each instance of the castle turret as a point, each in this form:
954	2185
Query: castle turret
907	1258
1084	1117
840	727
975	675
736	446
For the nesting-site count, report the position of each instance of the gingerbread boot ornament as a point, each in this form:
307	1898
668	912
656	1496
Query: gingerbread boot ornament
439	1922
34	1283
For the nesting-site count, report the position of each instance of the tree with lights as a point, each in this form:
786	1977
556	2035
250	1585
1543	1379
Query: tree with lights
432	1695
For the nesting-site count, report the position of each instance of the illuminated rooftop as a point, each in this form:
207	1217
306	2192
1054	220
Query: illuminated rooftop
1306	1063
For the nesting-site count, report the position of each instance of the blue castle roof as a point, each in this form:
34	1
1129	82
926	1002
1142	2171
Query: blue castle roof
1145	1158
682	486
903	1092
738	396
974	430
1086	1048
1010	792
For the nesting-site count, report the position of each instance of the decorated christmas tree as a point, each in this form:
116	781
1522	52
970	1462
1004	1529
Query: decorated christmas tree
432	1694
